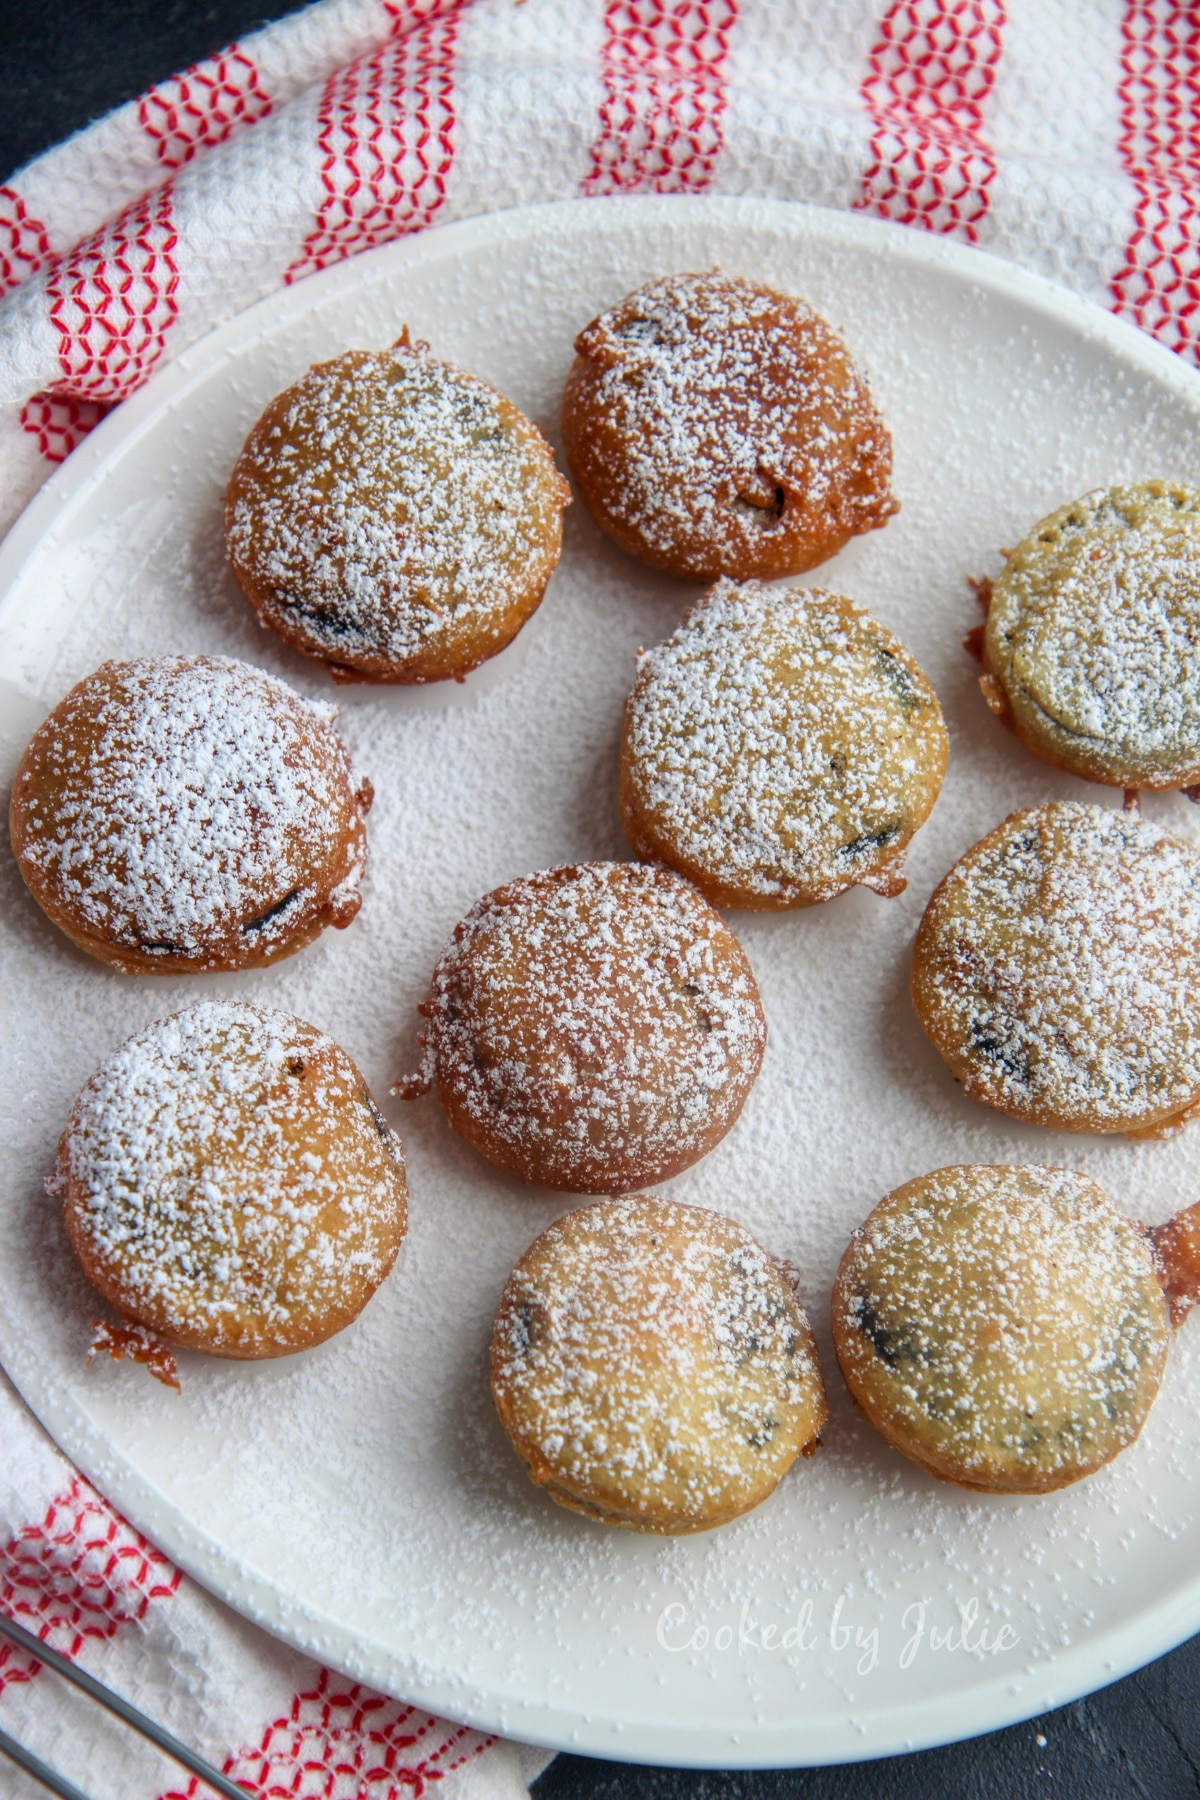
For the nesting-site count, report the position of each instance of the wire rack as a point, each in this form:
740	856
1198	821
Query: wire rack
113	1703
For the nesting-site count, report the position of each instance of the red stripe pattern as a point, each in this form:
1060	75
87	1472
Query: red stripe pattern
79	1573
113	300
24	243
1158	284
929	77
387	140
662	115
202	107
60	422
343	1742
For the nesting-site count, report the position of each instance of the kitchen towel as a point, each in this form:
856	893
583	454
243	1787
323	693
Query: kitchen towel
74	1573
1061	133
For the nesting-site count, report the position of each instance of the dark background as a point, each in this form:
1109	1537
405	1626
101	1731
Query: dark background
64	62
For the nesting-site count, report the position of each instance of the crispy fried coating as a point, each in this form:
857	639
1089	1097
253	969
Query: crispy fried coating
715	427
1057	971
1092	643
1003	1327
595	1027
781	747
230	1184
183	813
653	1368
394	517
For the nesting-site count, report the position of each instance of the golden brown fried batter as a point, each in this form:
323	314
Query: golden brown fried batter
1177	1254
394	517
780	747
716	427
1092	643
182	813
1057	971
595	1027
230	1184
653	1368
1003	1327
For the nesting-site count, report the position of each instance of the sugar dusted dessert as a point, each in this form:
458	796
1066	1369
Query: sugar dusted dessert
1092	642
182	813
1005	1328
780	747
653	1367
394	517
229	1184
1057	971
716	427
595	1027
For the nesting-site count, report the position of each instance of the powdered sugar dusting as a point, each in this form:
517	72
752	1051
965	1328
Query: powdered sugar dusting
599	1021
1008	1320
1094	631
781	744
171	802
718	413
230	1177
388	500
364	1495
1057	969
653	1366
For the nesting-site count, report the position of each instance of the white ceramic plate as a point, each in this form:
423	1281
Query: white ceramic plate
361	1500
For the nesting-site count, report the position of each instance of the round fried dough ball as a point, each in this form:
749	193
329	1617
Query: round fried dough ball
230	1184
780	747
1092	644
595	1027
181	813
394	517
1003	1327
1057	970
716	427
653	1368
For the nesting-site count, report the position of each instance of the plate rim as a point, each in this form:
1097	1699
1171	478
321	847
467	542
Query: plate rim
1005	1700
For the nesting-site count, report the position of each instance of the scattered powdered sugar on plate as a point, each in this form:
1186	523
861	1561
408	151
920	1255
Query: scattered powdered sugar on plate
188	798
1058	968
362	1497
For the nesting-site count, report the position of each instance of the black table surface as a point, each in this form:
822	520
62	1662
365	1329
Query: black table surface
63	63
